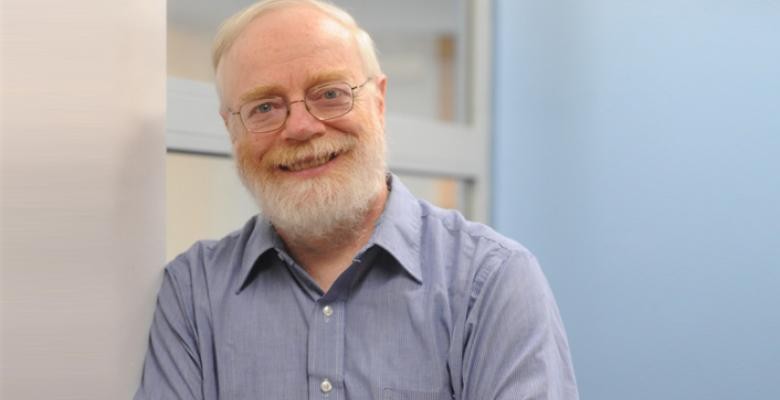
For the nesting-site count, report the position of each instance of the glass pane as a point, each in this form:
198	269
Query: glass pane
204	200
442	191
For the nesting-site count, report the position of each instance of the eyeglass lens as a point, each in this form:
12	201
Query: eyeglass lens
324	102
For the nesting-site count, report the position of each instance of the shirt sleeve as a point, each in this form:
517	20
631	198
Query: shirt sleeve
516	347
172	367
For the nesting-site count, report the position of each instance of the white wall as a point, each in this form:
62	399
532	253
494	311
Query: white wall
83	86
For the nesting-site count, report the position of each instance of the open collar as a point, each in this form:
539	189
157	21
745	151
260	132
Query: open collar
399	228
262	239
397	231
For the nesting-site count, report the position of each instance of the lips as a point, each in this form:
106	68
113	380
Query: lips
309	162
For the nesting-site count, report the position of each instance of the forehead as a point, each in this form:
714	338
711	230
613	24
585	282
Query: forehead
287	48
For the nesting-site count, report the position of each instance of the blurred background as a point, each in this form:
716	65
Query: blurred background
636	152
632	146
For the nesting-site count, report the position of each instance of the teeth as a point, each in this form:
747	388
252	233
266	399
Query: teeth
310	163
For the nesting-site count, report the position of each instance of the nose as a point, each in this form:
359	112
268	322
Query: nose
301	125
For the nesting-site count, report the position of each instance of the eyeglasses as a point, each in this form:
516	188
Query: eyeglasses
327	101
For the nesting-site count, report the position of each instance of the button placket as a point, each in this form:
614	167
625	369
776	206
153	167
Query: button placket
326	350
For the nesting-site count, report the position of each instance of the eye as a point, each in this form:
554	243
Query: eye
262	108
331	93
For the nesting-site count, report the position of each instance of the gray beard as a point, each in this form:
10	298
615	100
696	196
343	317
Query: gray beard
319	210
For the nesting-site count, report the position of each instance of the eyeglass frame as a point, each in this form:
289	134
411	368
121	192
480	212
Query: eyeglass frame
353	90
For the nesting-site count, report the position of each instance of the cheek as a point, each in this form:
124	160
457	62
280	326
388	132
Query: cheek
250	149
361	123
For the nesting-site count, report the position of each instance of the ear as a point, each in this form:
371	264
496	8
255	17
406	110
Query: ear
381	85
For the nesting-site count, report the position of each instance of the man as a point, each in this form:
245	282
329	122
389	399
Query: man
346	287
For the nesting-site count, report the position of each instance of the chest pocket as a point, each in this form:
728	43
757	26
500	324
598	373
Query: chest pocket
395	394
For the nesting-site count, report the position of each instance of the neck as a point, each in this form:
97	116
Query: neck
326	257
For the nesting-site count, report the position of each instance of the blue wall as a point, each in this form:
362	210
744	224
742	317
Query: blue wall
637	153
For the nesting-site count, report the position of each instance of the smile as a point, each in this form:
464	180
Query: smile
309	162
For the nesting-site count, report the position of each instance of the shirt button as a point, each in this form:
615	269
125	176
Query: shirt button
326	386
327	310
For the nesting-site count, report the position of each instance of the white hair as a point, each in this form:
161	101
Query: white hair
233	26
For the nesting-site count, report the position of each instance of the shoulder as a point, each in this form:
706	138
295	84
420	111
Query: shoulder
451	228
211	261
500	302
474	256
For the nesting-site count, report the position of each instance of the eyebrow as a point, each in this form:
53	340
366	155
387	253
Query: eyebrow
260	92
327	76
264	91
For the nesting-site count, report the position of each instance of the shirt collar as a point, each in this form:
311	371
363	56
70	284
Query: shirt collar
397	232
399	228
262	239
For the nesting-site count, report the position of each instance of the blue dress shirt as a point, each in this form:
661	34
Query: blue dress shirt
434	307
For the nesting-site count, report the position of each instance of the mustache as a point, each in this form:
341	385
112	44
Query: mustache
287	154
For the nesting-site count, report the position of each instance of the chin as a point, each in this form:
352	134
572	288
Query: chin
336	200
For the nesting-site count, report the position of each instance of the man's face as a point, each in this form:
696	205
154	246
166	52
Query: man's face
311	177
